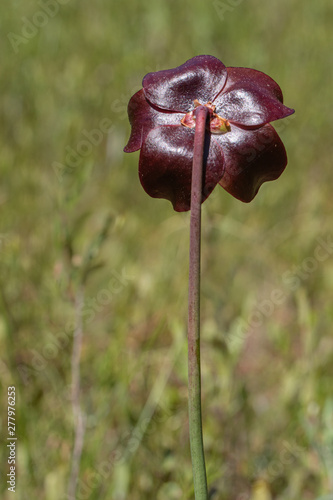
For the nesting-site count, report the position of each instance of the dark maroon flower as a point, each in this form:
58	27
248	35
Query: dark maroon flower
242	150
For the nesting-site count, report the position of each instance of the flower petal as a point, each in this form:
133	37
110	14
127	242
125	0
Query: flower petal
165	166
201	78
251	158
250	99
143	117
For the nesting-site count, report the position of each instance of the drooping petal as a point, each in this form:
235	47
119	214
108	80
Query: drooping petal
252	157
143	117
201	78
251	99
165	166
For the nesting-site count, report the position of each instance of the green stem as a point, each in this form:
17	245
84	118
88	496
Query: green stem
194	377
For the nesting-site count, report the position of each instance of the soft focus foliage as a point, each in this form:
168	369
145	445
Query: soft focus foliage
73	214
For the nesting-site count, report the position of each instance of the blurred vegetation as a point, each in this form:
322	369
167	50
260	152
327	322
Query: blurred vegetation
75	218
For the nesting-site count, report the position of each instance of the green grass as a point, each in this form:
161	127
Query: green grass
267	386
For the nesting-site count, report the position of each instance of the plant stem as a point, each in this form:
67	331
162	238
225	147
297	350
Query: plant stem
79	419
194	376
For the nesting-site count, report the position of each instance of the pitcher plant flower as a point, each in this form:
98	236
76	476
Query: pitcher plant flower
242	149
196	126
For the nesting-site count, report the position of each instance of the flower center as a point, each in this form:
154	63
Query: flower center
216	125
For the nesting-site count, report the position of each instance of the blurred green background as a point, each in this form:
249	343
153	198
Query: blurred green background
76	222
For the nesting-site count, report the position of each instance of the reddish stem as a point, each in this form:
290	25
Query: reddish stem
194	376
